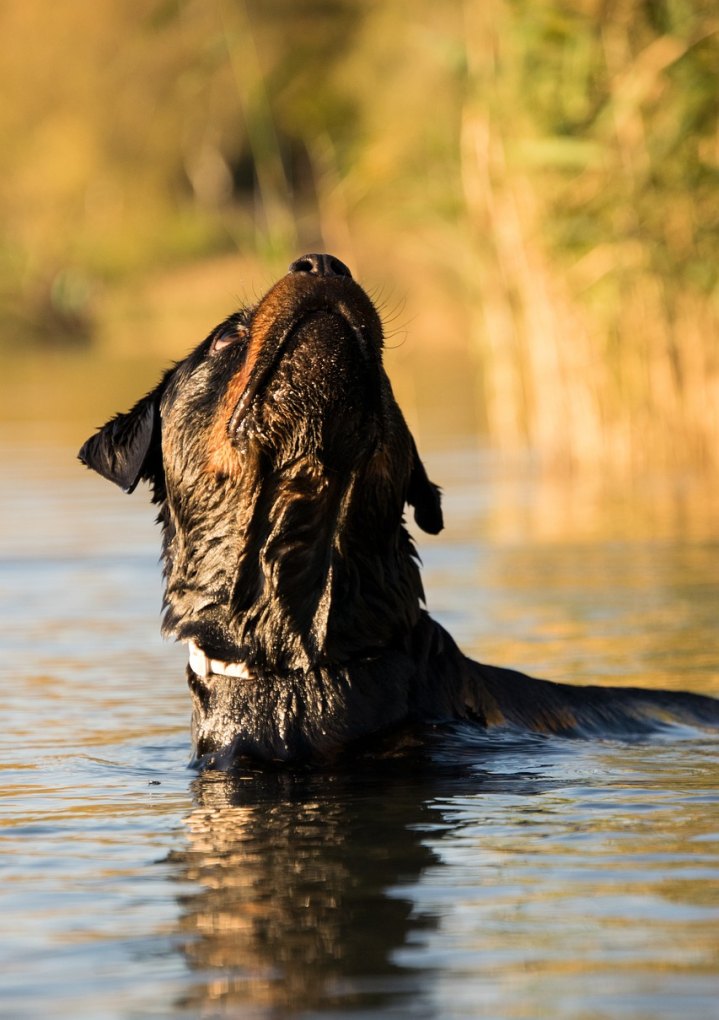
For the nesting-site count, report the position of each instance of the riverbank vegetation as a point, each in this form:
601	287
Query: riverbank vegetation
530	186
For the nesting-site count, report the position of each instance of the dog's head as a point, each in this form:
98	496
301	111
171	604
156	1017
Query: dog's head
282	465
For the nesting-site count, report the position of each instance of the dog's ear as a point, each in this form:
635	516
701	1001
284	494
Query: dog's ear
425	497
127	448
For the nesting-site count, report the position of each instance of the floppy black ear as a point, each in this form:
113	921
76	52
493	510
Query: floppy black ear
425	497
124	449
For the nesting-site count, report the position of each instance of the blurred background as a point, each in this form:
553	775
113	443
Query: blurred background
528	188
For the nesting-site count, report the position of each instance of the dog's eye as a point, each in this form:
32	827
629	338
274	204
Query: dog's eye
228	337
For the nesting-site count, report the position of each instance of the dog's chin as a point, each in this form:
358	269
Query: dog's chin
274	442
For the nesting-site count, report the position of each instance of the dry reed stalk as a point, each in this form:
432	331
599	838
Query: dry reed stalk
623	381
538	367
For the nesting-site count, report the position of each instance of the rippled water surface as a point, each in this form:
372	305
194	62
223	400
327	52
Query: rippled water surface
503	878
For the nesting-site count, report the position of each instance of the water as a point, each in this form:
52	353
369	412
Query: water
525	878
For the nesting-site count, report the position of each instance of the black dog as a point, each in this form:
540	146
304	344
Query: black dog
281	465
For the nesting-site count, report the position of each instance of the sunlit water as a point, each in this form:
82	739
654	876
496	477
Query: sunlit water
527	878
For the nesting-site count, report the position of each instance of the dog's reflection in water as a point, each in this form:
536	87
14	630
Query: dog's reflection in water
296	897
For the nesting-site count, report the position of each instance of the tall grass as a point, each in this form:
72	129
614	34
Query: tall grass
589	169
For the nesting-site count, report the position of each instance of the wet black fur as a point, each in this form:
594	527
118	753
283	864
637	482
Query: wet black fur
284	544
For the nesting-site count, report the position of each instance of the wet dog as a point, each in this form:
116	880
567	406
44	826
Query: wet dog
282	466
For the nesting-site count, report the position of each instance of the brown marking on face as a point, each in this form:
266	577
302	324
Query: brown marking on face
274	309
221	456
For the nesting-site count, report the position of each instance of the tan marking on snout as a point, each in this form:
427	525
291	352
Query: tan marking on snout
222	458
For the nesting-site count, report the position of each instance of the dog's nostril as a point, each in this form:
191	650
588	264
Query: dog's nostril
320	265
335	267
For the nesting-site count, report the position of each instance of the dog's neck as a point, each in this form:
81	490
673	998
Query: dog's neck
304	574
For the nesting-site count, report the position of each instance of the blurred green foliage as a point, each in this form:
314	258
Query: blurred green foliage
557	159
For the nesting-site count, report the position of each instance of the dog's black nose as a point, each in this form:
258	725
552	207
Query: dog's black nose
320	265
